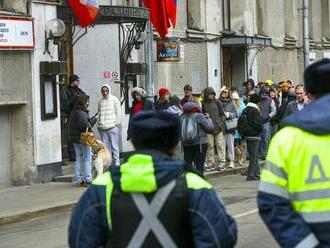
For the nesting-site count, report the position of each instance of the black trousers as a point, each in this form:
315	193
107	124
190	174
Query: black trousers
253	150
195	156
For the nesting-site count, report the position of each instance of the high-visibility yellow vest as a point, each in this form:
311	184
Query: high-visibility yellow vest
298	168
138	175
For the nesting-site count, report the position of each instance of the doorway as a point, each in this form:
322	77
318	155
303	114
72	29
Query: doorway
5	148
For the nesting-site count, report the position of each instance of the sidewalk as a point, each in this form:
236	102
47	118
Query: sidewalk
27	202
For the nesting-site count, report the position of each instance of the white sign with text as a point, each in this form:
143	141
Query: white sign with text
16	33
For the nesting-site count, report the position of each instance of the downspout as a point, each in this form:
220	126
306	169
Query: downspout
306	33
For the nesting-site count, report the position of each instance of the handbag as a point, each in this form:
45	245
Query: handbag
231	125
87	138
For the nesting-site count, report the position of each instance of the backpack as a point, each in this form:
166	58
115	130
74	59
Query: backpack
243	124
189	129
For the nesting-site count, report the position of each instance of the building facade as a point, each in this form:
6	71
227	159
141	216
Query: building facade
219	42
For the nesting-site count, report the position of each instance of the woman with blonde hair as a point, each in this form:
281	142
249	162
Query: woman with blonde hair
229	129
239	143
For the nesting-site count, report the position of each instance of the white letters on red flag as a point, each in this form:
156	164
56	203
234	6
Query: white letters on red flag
85	10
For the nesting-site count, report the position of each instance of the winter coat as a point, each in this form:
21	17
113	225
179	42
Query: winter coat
291	108
69	96
293	153
161	104
267	109
254	121
205	125
109	111
229	107
78	122
209	223
240	111
214	109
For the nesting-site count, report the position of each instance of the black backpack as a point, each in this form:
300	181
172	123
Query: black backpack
243	124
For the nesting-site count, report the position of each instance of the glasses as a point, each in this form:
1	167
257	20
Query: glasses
225	91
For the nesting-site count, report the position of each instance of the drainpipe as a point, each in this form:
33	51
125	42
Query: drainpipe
149	77
306	32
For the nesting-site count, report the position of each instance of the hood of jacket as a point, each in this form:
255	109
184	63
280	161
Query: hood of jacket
208	91
146	171
313	118
107	86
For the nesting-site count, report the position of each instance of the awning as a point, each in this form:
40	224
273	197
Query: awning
245	41
109	14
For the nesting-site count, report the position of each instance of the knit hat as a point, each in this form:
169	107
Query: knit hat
155	130
263	91
163	92
235	96
73	78
269	82
254	98
140	91
317	77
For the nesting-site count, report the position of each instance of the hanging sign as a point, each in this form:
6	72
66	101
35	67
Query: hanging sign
168	50
16	33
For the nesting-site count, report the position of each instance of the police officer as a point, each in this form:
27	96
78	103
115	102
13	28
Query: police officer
294	192
150	201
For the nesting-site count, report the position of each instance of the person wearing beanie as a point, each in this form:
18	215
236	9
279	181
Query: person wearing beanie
213	108
293	194
195	150
163	101
69	95
140	103
268	111
175	106
151	201
109	120
253	136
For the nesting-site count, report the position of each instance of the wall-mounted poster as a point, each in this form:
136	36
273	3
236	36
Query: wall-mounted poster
16	33
168	50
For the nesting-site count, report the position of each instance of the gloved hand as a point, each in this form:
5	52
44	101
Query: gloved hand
93	120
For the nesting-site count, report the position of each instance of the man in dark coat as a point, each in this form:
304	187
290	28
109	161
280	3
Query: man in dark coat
68	98
150	201
299	104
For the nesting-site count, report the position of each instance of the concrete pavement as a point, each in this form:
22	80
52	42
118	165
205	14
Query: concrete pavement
23	203
239	197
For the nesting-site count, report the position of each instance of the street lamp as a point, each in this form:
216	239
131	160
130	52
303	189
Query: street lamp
55	29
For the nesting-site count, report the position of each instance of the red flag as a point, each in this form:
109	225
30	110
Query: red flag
85	11
158	16
171	11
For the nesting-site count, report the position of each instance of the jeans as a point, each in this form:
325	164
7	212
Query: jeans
265	136
229	144
110	137
83	162
218	141
195	155
253	150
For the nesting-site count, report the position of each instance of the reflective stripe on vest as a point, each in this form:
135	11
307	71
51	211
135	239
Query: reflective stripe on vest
150	222
298	169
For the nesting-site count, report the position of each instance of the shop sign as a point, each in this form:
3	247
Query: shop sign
16	33
168	50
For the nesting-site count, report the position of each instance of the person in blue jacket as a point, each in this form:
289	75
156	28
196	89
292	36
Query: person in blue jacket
294	192
151	201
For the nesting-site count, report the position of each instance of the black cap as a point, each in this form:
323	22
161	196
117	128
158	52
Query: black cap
254	98
264	90
317	77
73	78
155	130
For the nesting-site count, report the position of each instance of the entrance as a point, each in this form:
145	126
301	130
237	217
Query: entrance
5	147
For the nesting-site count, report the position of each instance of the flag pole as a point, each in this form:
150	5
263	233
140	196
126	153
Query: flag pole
149	54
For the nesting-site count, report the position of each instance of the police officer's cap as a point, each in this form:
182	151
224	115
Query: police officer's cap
317	77
155	130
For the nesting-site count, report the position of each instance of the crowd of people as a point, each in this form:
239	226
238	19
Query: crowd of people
210	139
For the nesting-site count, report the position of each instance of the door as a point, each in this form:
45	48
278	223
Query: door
5	147
227	65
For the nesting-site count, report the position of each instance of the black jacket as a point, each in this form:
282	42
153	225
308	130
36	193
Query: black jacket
254	121
78	122
68	97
